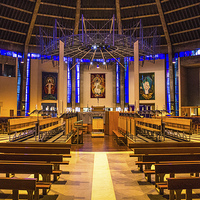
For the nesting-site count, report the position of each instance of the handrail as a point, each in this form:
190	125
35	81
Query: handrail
78	124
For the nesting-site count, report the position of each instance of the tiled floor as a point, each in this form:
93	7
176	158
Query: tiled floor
100	170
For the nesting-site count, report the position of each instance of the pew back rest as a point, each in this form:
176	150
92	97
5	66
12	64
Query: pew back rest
26	168
149	122
21	122
173	168
18	183
167	150
170	157
178	123
48	121
183	183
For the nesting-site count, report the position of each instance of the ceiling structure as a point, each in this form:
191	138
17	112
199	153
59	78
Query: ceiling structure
177	21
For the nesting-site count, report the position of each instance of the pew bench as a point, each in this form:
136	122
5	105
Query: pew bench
21	127
16	184
11	168
150	128
165	150
173	168
178	184
149	160
50	131
36	144
119	137
35	150
178	128
163	144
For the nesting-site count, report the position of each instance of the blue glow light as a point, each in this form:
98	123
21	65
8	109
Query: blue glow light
27	95
117	82
77	90
126	80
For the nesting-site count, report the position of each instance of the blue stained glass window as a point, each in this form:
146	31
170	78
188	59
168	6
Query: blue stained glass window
77	91
27	97
69	81
126	80
176	85
117	82
18	88
168	84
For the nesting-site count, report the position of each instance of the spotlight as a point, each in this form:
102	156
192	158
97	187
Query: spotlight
173	60
104	63
94	46
97	65
91	63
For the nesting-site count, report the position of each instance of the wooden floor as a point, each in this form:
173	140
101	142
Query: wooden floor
106	144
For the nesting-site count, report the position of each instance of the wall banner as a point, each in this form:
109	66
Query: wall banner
98	85
49	86
147	86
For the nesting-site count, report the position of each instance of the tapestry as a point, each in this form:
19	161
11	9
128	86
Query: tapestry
147	86
49	86
98	85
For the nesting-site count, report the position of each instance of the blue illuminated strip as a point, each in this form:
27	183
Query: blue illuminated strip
69	80
168	85
117	82
126	80
176	86
27	97
18	88
77	90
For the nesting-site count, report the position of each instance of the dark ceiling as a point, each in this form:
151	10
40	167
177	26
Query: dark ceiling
182	18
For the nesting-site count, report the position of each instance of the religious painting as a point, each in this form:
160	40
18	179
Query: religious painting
147	86
98	85
49	86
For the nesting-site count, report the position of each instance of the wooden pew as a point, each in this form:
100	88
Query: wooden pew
163	144
178	184
21	124
49	127
36	144
56	160
165	150
173	168
178	128
119	137
149	160
31	168
150	128
16	184
34	150
21	127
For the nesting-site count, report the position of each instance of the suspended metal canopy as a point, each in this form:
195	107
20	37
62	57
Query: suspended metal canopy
98	43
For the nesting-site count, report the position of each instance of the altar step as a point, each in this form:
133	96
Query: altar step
97	134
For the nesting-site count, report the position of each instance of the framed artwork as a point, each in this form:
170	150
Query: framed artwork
98	85
147	86
49	86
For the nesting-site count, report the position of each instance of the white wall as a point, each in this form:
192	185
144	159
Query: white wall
159	69
8	89
108	100
37	67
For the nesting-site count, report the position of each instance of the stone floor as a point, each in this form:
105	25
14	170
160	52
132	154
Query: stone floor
100	169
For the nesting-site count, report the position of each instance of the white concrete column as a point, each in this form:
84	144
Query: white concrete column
136	74
62	81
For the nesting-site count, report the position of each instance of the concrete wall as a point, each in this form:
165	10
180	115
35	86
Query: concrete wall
37	67
8	89
108	100
159	69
